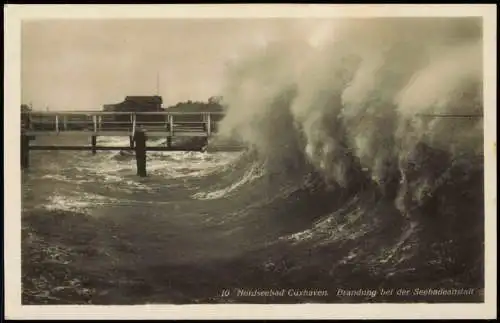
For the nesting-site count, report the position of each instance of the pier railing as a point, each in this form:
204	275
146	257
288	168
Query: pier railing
164	124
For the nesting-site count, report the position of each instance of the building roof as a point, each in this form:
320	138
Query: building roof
154	99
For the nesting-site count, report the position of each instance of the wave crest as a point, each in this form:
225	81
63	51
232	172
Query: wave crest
354	106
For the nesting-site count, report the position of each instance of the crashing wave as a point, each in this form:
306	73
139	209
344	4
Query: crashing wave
254	172
354	105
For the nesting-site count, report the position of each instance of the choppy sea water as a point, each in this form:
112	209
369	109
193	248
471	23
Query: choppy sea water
205	223
364	172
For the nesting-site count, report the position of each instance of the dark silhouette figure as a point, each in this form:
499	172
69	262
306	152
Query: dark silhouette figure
25	150
140	152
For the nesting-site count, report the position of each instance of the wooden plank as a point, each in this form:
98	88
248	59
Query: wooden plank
118	133
428	115
103	113
53	133
179	134
108	148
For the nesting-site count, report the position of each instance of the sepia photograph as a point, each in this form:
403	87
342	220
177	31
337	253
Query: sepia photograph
252	160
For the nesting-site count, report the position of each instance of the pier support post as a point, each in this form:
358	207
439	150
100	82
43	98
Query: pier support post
25	150
94	144
131	138
169	142
205	144
140	152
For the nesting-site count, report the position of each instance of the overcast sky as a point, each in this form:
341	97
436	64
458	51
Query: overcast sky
81	65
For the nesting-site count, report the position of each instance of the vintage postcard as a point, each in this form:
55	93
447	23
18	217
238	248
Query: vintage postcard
250	161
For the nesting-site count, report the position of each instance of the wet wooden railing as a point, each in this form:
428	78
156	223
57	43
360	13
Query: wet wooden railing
156	124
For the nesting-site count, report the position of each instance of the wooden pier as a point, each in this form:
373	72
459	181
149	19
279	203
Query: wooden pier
138	126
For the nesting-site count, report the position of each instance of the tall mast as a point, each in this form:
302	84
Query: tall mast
157	83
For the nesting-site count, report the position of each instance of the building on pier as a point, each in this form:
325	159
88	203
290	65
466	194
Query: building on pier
136	104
